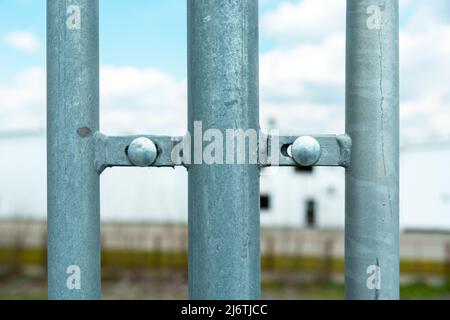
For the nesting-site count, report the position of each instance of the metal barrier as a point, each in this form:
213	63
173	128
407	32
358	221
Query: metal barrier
224	246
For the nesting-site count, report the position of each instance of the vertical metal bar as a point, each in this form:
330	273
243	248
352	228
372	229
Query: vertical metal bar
224	259
372	181
72	118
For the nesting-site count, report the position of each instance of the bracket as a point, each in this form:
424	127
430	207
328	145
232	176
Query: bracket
335	151
112	151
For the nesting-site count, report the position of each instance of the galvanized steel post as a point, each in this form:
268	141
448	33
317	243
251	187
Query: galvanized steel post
224	258
372	181
73	118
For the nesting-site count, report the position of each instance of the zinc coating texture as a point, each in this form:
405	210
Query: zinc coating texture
73	181
372	122
306	151
142	152
224	257
223	199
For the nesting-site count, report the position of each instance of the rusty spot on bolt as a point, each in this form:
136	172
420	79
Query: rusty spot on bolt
84	132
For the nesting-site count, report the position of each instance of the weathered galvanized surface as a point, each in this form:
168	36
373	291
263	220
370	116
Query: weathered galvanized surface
306	151
224	253
73	181
335	150
112	151
142	152
372	197
224	258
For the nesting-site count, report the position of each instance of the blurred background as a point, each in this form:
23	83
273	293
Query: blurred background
143	90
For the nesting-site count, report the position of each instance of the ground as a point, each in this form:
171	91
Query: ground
172	284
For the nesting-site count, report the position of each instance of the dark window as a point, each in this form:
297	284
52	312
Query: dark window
307	170
311	213
265	202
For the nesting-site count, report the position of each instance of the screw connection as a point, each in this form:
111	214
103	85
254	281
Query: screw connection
142	152
306	151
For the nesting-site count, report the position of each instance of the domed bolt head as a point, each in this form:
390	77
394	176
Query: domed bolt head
306	151
142	152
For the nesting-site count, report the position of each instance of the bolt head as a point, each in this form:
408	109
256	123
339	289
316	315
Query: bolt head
306	151
142	152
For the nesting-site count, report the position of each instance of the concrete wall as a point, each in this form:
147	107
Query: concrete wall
276	241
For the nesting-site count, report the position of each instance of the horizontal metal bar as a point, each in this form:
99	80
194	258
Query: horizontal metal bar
112	151
335	150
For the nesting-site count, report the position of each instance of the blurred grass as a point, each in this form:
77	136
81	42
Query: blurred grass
178	260
24	296
423	290
278	290
335	291
284	277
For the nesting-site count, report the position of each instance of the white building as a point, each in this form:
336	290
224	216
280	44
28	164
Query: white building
288	197
294	197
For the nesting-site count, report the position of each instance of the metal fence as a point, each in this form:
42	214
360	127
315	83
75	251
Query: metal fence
224	244
142	247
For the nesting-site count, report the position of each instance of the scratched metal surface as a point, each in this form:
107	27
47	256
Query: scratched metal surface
372	204
224	258
111	151
335	150
224	199
73	182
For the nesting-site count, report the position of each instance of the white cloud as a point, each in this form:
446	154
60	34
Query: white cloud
137	100
303	77
306	72
302	85
133	100
425	73
290	72
307	20
22	40
23	100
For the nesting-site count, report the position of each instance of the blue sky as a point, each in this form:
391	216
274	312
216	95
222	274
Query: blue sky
143	74
26	16
139	32
143	58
